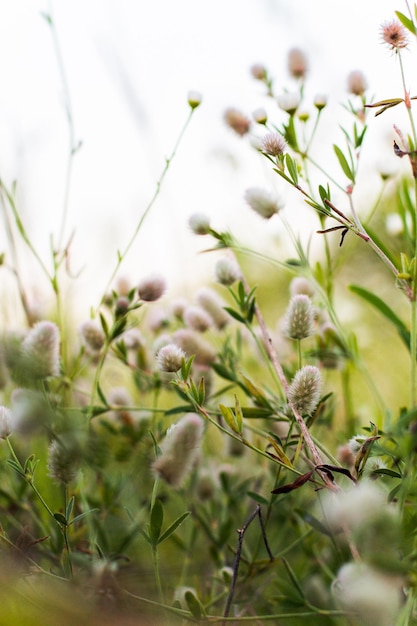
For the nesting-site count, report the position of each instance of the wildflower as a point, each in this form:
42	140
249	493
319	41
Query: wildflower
119	396
299	318
374	597
297	63
394	34
237	121
40	351
305	389
194	99
63	460
207	485
5	422
193	345
260	116
197	318
123	286
30	411
300	285
356	83
258	71
289	102
199	224
170	358
133	339
178	307
227	272
151	288
214	305
121	306
345	456
274	144
180	450
92	336
320	101
158	319
262	202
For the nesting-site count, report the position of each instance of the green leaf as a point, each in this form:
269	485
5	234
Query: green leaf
173	527
405	21
79	517
101	395
156	521
343	163
292	168
70	506
61	519
238	415
229	417
386	311
104	325
259	499
237	316
194	605
387	472
17	468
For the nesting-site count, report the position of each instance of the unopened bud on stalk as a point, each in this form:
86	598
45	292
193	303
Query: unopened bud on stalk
214	305
170	358
5	422
305	389
40	351
197	318
260	116
199	224
299	318
194	99
289	102
151	288
92	336
258	71
237	121
227	272
297	63
180	450
320	101
356	83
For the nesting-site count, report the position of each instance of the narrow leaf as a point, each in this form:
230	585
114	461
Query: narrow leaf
61	519
258	498
235	315
173	527
79	517
298	482
194	605
157	518
343	163
292	168
405	21
229	417
280	454
70	506
238	415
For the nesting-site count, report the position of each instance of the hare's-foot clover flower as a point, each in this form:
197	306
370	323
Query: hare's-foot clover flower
152	288
92	336
356	83
180	450
237	121
305	389
394	34
301	285
170	358
40	351
63	457
258	71
197	318
297	63
194	345
5	422
320	101
274	144
199	224
214	305
289	102
260	116
299	318
194	99
262	202
227	272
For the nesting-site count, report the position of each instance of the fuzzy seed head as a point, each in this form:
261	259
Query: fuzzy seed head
374	597
274	144
299	318
170	358
297	63
5	422
152	288
40	351
227	272
199	223
305	389
197	318
262	202
394	34
214	305
92	336
356	83
180	450
237	121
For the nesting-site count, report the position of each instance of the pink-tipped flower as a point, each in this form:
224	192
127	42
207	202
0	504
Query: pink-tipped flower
299	318
394	34
274	144
152	288
356	83
237	121
258	71
170	358
92	336
297	63
180	450
40	351
214	305
262	202
197	318
305	389
227	272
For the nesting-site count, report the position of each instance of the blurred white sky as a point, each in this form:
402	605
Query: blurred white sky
129	66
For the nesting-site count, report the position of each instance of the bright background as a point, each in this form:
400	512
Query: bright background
129	66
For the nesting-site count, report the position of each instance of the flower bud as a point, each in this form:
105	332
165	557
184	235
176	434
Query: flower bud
151	288
214	305
5	422
180	450
199	224
262	202
260	116
299	318
356	83
300	285
258	71
197	318
194	99
289	102
193	345
237	121
305	389
40	351
297	63
227	272
320	101
92	336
